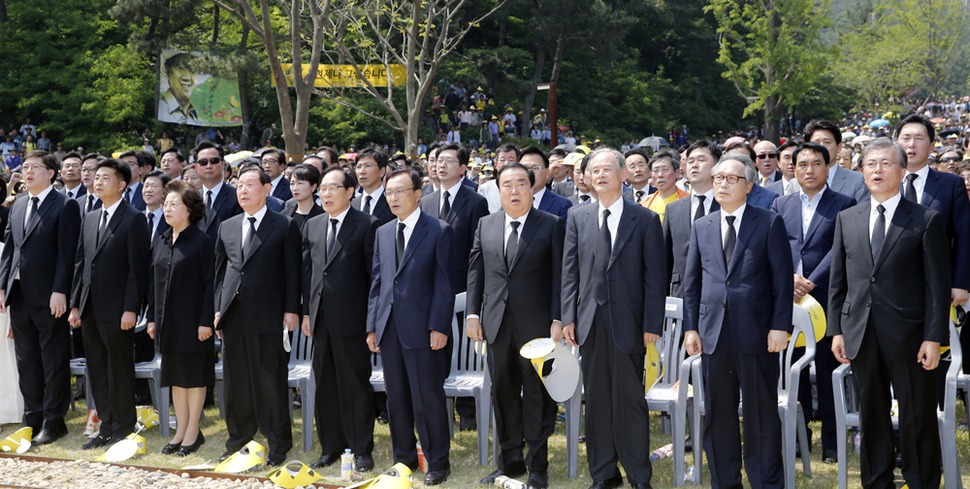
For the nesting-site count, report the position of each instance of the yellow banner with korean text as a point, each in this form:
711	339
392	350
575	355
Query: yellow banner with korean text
346	76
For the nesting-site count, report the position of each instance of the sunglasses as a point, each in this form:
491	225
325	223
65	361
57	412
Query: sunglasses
950	160
767	156
215	160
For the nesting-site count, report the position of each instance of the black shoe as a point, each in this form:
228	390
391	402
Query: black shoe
275	460
382	418
435	477
186	450
328	459
468	423
79	391
538	480
297	401
171	448
226	454
830	456
50	434
97	442
363	463
608	483
510	472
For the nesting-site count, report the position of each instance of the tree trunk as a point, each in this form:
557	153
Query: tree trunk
772	115
215	23
530	96
244	93
3	12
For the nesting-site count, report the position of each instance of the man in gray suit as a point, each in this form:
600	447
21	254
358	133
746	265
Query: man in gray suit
613	294
828	134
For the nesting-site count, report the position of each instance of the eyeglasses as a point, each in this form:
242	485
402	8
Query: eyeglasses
885	165
731	179
330	188
88	169
364	166
535	168
448	161
27	168
215	160
769	156
392	194
660	170
272	161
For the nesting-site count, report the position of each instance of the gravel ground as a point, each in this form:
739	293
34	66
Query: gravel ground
82	474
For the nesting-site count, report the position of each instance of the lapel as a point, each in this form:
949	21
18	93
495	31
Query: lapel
929	188
899	222
17	215
749	222
459	201
821	212
262	231
342	235
420	230
858	227
623	231
42	209
528	231
493	234
116	218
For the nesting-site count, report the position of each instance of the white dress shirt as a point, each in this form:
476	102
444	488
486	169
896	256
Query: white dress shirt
42	195
374	197
537	198
738	215
409	223
259	215
890	205
613	221
694	202
452	192
920	182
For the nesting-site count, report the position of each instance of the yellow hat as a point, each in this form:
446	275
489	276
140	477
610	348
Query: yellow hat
247	457
18	441
294	474
653	369
397	477
147	416
572	159
814	309
582	147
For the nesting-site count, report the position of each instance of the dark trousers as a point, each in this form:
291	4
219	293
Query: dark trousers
524	412
43	348
414	379
111	366
825	364
919	437
617	419
256	393
728	375
341	366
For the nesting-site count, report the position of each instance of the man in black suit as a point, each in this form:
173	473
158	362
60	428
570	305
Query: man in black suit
544	199
273	162
338	248
737	312
71	174
613	295
810	223
110	283
889	295
136	163
41	239
89	201
516	261
172	161
220	199
681	214
371	167
409	321
154	194
257	288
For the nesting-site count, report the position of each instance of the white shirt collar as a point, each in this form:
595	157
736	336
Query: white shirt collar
832	171
890	204
537	198
738	213
374	195
453	191
43	194
259	215
215	190
923	173
818	196
616	208
412	219
340	217
276	181
111	210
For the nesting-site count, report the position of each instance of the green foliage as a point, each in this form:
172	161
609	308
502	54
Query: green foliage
335	124
121	88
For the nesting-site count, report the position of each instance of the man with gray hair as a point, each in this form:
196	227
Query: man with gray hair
621	277
737	313
664	167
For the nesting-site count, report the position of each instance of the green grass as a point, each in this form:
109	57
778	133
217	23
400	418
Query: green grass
464	454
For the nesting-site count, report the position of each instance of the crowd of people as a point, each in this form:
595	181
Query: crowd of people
366	255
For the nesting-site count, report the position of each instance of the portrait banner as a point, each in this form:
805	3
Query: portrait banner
186	96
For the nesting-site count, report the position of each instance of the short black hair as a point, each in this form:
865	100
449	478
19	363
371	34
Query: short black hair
49	160
791	143
323	162
280	155
252	167
557	152
120	168
532	150
148	158
207	145
916	119
460	149
138	158
707	144
159	175
505	148
92	156
350	179
178	154
413	175
823	125
330	152
639	150
379	156
810	146
307	173
742	146
72	154
516	166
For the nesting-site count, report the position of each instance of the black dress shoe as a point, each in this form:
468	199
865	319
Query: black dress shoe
328	459
538	480
97	442
49	435
363	463
275	460
186	450
171	448
226	454
510	472
608	483
435	477
830	456
468	423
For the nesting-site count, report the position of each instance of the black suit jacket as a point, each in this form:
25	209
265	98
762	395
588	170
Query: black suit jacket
161	225
137	201
224	207
526	296
380	209
336	296
43	251
111	275
947	194
466	209
290	211
637	291
282	190
904	294
181	291
261	286
82	203
677	226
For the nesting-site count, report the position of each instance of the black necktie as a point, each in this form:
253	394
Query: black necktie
699	213
90	205
70	194
584	198
400	242
104	224
208	199
910	187
639	195
512	245
445	207
151	226
332	237
878	232
33	210
128	195
730	240
251	236
367	205
601	261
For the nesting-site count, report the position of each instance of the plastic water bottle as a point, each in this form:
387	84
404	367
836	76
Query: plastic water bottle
507	482
689	477
422	462
347	465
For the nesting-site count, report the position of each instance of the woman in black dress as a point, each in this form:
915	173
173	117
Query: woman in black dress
180	313
304	183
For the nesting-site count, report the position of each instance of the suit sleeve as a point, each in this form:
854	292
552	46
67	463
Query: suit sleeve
861	191
558	237
960	215
936	266
564	210
373	301
139	257
150	290
307	272
820	276
69	227
219	274
654	269
369	239
837	282
476	275
693	274
6	258
443	297
570	273
292	263
669	250
78	270
208	279
782	272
